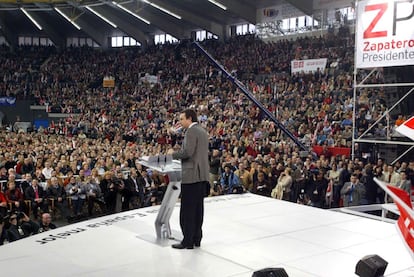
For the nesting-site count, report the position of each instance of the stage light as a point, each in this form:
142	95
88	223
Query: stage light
371	266
270	272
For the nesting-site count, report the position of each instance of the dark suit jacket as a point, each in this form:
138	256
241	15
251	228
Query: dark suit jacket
130	185
30	194
194	156
56	192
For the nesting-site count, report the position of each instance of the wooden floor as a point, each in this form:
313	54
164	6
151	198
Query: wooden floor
242	233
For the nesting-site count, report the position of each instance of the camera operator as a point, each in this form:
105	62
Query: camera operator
216	189
20	226
316	187
111	187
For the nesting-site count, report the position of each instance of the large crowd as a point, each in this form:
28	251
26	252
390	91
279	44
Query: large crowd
87	163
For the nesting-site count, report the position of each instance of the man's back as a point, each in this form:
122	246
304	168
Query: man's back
194	156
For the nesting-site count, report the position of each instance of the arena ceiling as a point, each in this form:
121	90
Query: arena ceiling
189	15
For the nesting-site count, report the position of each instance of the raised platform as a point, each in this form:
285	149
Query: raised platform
242	233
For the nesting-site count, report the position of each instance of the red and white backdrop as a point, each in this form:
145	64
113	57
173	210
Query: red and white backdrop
385	33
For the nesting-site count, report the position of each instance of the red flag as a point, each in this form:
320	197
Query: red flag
406	227
407	128
405	222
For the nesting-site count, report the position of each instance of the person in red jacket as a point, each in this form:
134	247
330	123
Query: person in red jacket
15	197
3	204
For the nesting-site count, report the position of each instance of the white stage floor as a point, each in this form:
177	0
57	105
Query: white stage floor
242	233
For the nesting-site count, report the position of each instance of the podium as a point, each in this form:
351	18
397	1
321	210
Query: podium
165	165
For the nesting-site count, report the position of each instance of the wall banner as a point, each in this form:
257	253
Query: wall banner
307	66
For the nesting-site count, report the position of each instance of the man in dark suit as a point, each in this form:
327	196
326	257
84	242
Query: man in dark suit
195	177
135	184
37	197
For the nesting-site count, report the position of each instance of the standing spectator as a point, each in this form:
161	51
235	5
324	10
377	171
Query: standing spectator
135	183
353	192
94	194
378	173
391	176
333	177
215	164
261	186
371	188
283	186
111	187
316	188
404	183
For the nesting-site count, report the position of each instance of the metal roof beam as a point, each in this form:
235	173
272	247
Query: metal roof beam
243	10
50	30
202	23
305	6
167	26
128	26
11	37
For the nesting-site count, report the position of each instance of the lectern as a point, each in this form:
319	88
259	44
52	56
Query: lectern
165	165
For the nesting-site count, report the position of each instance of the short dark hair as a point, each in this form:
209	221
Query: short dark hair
190	113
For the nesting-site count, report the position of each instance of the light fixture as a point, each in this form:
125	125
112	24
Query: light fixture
67	18
130	12
101	16
162	9
371	266
31	19
221	6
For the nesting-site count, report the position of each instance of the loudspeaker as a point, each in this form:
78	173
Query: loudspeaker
371	266
270	272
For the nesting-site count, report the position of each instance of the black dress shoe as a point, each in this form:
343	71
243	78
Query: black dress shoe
196	244
180	246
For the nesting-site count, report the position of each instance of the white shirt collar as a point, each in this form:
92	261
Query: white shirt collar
192	124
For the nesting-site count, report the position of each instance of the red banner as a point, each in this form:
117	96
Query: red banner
332	151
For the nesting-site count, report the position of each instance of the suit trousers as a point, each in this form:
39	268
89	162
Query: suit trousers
192	212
